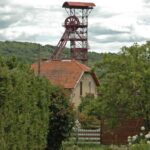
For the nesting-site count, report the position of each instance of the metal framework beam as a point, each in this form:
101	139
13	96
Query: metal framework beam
76	31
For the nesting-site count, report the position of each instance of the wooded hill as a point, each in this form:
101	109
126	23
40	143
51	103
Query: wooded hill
29	52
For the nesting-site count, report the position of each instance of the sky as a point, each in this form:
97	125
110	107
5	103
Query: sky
112	23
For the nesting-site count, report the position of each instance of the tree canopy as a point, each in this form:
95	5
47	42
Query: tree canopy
29	52
32	111
61	119
24	104
125	85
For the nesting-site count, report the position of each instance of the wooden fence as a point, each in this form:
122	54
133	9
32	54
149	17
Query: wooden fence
108	136
119	135
86	135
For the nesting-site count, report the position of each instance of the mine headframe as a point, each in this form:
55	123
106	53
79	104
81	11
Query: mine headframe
76	31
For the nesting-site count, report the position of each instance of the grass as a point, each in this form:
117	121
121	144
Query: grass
140	147
82	147
90	146
71	145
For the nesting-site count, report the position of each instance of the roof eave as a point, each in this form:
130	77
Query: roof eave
78	5
95	78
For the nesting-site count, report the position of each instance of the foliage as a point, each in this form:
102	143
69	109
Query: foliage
33	112
125	85
82	146
140	147
142	138
24	51
85	102
86	113
24	104
94	57
88	122
61	119
88	105
29	52
91	146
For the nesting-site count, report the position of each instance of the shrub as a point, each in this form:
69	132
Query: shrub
141	141
24	104
33	113
61	119
88	122
143	137
87	116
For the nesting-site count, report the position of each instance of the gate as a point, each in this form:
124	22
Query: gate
87	135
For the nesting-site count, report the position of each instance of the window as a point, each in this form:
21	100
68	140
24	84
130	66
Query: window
81	88
89	86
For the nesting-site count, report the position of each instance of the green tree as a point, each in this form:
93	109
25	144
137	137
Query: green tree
29	52
125	85
33	113
24	113
61	119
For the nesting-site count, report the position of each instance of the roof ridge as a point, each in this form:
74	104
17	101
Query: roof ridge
80	65
72	71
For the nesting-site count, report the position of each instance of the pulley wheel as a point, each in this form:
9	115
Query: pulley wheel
72	23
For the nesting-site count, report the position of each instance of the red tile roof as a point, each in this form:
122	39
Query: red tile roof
65	73
78	5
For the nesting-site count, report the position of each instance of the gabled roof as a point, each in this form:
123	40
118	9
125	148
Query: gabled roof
78	5
65	73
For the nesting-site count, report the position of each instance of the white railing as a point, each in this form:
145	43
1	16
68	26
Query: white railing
87	135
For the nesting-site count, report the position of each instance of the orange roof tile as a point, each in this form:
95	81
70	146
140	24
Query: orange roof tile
65	73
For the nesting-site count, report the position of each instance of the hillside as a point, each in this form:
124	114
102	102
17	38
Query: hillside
29	52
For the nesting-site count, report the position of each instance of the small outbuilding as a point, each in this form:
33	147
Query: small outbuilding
73	76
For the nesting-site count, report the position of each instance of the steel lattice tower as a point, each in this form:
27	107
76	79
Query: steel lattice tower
76	31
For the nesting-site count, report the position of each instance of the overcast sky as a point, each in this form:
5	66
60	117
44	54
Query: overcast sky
112	23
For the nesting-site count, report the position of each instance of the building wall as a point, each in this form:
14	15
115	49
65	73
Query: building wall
88	86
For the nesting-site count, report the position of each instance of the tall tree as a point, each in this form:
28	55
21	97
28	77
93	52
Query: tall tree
24	101
32	111
61	119
125	84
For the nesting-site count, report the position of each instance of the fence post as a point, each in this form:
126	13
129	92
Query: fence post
77	126
101	130
76	143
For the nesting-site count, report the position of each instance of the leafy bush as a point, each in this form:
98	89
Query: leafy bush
85	103
32	112
88	122
86	115
125	82
61	119
24	104
142	138
141	141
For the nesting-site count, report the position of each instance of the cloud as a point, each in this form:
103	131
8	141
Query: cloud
120	38
11	14
103	12
146	1
28	23
144	20
2	37
95	30
146	4
24	37
3	2
112	24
